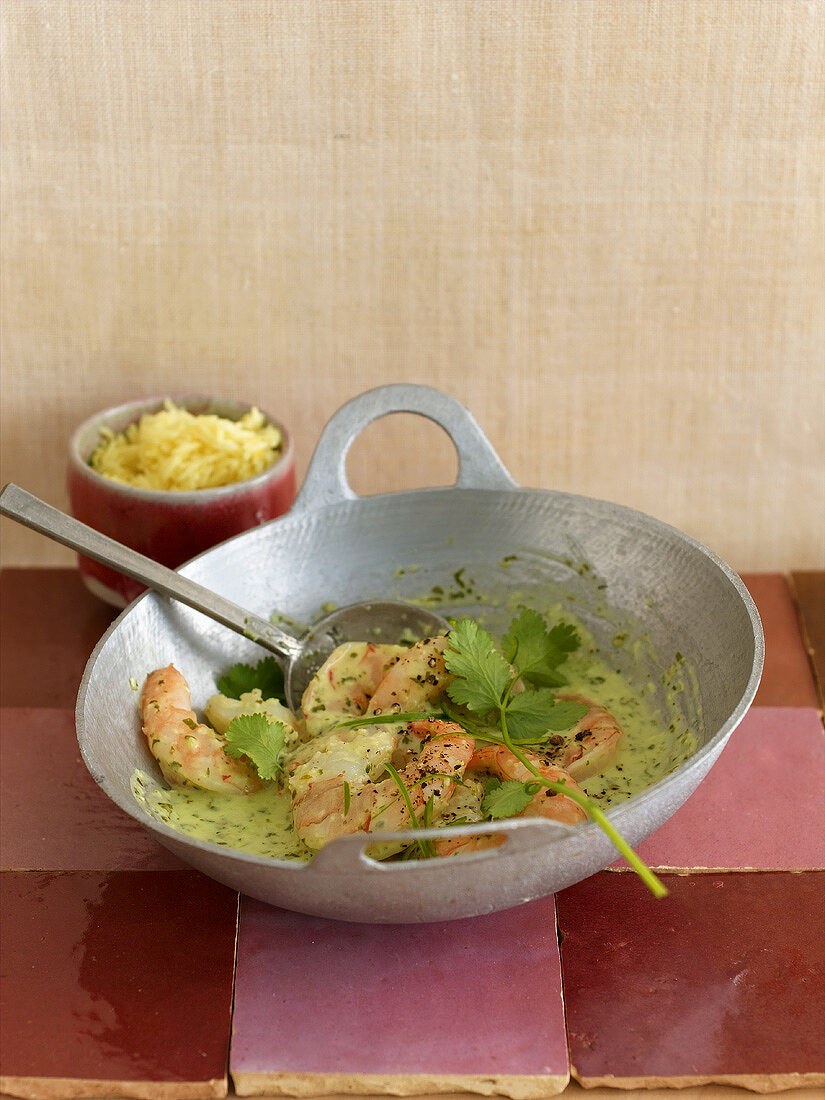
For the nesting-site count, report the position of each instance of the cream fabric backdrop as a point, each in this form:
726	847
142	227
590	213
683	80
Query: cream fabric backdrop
598	224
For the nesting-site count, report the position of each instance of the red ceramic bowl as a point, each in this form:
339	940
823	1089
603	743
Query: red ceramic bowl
169	527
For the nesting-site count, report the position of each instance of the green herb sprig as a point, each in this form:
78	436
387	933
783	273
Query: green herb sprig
426	847
255	737
484	683
260	740
486	680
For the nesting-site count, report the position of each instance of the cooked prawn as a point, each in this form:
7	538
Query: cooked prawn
188	752
464	808
592	743
330	807
345	683
350	754
416	681
500	762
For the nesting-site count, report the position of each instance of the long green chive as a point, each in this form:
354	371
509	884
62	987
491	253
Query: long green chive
387	719
426	846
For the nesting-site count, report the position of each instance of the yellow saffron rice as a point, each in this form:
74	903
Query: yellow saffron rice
178	451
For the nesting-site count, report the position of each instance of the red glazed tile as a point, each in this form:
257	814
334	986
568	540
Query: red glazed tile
722	981
51	624
787	679
809	590
53	816
333	1007
761	805
115	984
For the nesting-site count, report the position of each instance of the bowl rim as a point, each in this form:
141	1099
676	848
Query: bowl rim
130	411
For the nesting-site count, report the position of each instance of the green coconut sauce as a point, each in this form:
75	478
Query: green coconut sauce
646	752
260	823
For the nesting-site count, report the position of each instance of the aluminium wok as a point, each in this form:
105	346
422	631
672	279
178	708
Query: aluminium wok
618	570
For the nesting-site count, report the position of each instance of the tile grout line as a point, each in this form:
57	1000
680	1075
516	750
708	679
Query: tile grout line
229	1079
810	649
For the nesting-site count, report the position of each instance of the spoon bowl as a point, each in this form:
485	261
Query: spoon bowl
381	621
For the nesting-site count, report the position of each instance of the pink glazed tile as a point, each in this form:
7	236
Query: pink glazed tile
53	816
761	806
115	984
721	981
324	1007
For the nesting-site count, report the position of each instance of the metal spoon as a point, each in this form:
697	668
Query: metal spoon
377	620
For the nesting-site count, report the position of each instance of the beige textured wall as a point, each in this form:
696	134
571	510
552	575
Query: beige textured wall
598	224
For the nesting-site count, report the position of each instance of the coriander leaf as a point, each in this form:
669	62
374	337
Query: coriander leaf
481	673
563	639
505	799
549	677
564	714
266	675
532	714
261	741
523	644
237	680
527	714
461	716
537	652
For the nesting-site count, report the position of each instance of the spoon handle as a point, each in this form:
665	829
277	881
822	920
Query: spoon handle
39	516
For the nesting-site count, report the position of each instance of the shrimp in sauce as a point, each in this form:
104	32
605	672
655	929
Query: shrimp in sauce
588	746
331	807
345	683
188	751
417	681
500	763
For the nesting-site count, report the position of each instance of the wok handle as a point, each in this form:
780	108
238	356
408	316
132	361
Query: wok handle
348	855
479	467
